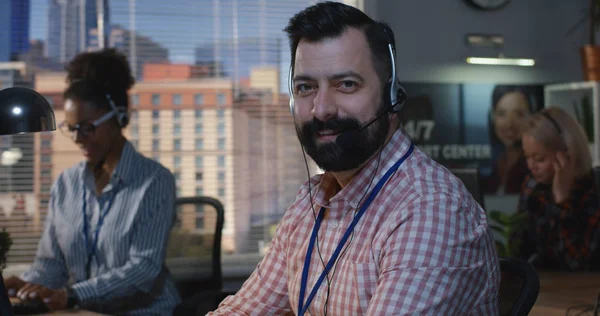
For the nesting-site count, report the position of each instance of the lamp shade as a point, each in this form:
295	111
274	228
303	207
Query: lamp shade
23	110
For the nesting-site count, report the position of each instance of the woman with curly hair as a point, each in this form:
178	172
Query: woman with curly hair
109	217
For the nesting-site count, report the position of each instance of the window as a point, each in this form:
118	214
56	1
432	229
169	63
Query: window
155	129
198	99
156	99
177	162
199	144
221	192
134	130
221	129
199	192
177	99
220	98
135	100
50	100
198	176
46	173
199	220
164	96
177	175
221	176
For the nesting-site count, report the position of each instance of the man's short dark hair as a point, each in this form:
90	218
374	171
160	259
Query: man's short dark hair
330	19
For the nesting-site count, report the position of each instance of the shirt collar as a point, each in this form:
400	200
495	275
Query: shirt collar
327	191
123	171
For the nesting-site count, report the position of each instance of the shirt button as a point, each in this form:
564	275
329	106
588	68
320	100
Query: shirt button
334	224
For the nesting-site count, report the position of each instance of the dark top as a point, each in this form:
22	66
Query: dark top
566	235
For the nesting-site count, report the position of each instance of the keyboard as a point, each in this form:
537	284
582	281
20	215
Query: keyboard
30	307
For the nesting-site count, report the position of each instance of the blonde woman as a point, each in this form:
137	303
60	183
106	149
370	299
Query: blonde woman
559	195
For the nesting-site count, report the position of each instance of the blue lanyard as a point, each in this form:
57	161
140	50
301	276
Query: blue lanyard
303	308
91	248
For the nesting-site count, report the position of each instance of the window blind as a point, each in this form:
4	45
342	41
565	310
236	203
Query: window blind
210	104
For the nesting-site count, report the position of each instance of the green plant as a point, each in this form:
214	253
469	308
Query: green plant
585	116
507	226
591	14
5	243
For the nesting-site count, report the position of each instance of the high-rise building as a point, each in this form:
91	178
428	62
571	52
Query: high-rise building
69	23
14	23
140	50
243	152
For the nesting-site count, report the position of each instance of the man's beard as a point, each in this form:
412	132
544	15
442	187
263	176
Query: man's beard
341	156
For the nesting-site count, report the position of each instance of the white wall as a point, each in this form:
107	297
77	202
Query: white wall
431	44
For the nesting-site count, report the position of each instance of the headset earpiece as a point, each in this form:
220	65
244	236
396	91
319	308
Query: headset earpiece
121	114
291	91
394	91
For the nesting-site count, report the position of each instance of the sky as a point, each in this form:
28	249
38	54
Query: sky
182	25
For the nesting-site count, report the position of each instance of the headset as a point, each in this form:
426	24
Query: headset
120	112
394	93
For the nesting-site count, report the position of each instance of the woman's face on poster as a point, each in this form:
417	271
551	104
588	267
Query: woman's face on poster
509	115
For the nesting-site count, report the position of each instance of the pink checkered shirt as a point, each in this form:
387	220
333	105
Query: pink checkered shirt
422	247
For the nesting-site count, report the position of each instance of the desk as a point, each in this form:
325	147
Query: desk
561	290
65	312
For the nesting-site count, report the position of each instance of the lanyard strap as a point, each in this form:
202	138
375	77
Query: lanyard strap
91	248
302	308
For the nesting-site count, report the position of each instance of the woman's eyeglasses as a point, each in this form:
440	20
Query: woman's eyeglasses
84	129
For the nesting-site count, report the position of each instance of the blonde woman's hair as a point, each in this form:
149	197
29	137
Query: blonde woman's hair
556	130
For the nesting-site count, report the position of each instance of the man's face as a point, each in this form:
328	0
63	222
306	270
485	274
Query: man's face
337	89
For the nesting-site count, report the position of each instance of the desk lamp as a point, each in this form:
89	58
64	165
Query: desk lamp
22	111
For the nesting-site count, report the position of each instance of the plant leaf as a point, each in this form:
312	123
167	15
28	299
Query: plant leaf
497	228
496	216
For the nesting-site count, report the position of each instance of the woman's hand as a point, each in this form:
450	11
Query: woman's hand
564	177
13	284
54	299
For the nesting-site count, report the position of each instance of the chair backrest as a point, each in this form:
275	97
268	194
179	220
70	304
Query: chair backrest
471	178
194	250
519	287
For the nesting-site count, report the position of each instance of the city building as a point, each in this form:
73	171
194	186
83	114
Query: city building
243	152
14	23
69	23
140	50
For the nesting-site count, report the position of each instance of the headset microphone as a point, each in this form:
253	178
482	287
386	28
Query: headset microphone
346	139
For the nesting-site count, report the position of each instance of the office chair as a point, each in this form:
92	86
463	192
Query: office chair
472	180
519	287
197	257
